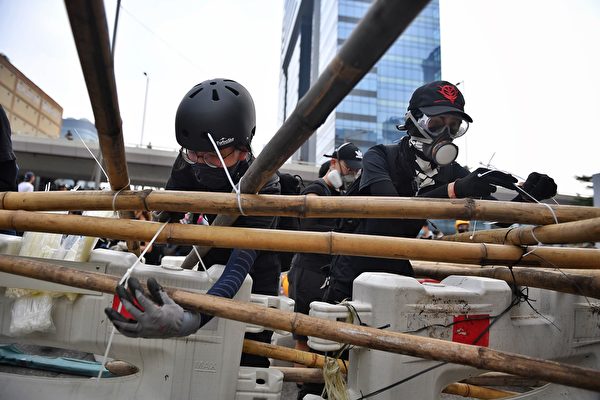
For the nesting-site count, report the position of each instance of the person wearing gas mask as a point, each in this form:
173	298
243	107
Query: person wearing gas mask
309	270
214	125
421	164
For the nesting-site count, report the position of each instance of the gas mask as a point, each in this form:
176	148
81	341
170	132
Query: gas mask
433	136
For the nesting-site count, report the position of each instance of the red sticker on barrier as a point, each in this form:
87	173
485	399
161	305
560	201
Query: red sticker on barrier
467	328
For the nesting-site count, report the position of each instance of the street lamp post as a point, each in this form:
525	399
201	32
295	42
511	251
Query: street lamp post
145	103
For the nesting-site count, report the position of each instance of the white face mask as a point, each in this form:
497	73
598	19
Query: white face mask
335	178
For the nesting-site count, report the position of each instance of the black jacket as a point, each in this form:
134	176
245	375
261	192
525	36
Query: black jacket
266	269
391	171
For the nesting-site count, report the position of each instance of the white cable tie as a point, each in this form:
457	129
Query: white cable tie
485	173
528	253
124	281
238	195
236	189
544	204
130	270
200	262
539	243
114	200
474	229
536	239
92	154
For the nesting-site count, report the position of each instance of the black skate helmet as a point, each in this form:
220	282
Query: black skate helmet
221	107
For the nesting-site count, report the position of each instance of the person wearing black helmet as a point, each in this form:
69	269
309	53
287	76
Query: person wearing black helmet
214	125
421	164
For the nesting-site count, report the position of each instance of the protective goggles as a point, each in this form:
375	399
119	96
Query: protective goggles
203	157
432	127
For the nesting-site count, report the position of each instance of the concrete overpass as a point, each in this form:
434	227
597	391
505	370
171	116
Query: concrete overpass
68	159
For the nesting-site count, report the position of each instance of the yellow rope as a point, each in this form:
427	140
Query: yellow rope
335	385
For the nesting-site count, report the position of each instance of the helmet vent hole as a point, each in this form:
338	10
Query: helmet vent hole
228	80
215	95
232	90
213	83
185	133
195	93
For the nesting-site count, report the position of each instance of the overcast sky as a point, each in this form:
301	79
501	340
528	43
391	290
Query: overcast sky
529	70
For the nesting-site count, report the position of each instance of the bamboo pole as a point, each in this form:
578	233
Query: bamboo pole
569	232
478	392
500	379
303	242
382	24
310	360
572	282
315	375
90	31
313	371
297	206
395	342
302	375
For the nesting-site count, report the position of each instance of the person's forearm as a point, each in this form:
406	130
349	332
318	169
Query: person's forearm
229	283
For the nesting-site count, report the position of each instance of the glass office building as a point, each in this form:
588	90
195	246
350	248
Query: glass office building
313	31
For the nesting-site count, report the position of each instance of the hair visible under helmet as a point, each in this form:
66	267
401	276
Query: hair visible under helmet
221	107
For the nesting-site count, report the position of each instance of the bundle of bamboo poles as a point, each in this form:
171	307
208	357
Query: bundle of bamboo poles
395	342
298	241
574	281
573	232
298	206
314	373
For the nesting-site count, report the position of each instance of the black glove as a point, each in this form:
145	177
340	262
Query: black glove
540	186
155	317
477	184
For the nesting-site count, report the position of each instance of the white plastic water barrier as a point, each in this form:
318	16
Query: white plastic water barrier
201	366
460	309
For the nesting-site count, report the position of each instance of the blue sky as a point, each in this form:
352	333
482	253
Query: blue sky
529	70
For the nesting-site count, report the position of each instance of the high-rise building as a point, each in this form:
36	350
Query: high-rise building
30	110
313	31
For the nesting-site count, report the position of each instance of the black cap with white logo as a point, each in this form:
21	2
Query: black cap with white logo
349	153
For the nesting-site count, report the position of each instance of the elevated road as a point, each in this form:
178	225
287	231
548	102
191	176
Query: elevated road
55	158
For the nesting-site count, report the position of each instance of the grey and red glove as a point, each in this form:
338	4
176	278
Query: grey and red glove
155	317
